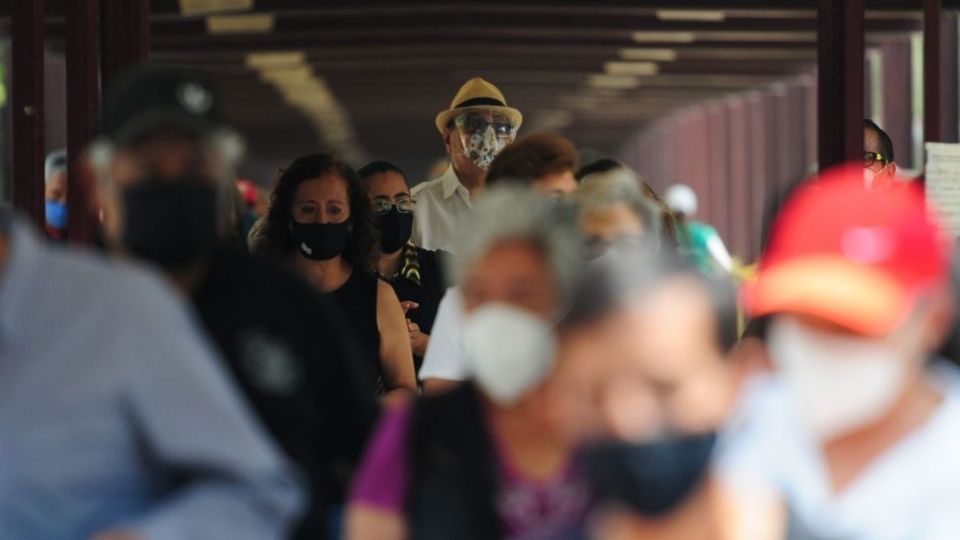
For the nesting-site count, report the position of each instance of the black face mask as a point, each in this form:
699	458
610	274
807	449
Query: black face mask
320	241
171	222
395	229
651	478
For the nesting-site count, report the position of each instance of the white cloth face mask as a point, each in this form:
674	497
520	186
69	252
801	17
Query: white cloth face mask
509	350
838	382
482	147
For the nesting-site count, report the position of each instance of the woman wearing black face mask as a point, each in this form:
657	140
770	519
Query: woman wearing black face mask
320	223
415	274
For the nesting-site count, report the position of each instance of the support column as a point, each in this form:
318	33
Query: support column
126	35
27	108
932	81
83	104
840	81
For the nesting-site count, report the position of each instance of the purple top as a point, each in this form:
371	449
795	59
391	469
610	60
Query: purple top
529	508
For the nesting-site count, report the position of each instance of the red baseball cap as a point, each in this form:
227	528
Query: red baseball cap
850	255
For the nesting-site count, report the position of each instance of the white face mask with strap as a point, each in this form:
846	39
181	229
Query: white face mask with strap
838	382
509	350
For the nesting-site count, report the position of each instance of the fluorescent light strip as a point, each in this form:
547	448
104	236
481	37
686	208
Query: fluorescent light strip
190	8
787	37
631	68
612	81
240	24
650	55
273	60
690	15
653	36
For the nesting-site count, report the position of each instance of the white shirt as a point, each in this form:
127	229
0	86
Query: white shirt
442	205
911	491
445	358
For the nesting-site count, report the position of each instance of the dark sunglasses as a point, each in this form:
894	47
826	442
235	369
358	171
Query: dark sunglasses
869	158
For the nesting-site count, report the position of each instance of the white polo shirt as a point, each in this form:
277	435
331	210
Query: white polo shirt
445	357
911	491
442	205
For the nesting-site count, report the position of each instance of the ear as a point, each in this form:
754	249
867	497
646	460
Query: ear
893	168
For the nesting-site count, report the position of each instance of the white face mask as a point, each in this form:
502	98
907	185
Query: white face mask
481	148
509	350
838	383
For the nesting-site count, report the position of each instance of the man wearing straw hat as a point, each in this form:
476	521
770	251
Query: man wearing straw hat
476	127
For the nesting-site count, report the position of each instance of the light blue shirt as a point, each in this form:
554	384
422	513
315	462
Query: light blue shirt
114	412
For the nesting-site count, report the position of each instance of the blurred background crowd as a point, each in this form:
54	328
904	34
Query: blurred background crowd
527	344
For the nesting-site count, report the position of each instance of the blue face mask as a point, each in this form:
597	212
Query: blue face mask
57	214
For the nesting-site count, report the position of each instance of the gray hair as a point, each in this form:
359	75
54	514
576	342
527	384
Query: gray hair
56	162
510	212
599	191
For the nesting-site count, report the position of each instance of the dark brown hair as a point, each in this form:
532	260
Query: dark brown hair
532	157
276	240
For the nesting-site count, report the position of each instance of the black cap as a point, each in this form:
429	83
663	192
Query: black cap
147	98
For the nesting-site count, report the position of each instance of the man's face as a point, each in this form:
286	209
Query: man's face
56	188
476	137
165	156
881	169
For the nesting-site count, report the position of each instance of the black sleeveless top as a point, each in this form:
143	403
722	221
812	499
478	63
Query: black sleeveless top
357	299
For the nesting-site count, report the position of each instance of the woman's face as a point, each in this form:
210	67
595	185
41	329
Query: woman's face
321	200
512	272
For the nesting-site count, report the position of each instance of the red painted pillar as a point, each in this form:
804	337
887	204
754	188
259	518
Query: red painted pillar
83	104
840	81
126	35
932	106
27	108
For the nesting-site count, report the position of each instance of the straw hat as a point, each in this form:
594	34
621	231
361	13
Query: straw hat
478	94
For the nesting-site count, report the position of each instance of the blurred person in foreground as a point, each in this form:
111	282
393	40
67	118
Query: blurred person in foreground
670	390
613	211
476	127
493	458
321	224
545	160
859	427
542	162
698	240
166	167
55	195
416	274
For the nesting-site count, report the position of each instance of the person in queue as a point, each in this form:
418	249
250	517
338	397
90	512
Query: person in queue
878	158
415	274
55	195
606	166
122	425
320	223
476	127
614	211
492	458
699	241
858	427
668	394
165	165
545	160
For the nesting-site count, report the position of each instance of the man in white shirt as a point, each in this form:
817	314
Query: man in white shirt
856	430
476	127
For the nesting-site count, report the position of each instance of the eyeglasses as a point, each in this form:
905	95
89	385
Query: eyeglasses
404	206
869	158
475	123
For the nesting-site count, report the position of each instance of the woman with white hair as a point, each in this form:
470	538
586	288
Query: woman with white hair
492	458
613	210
